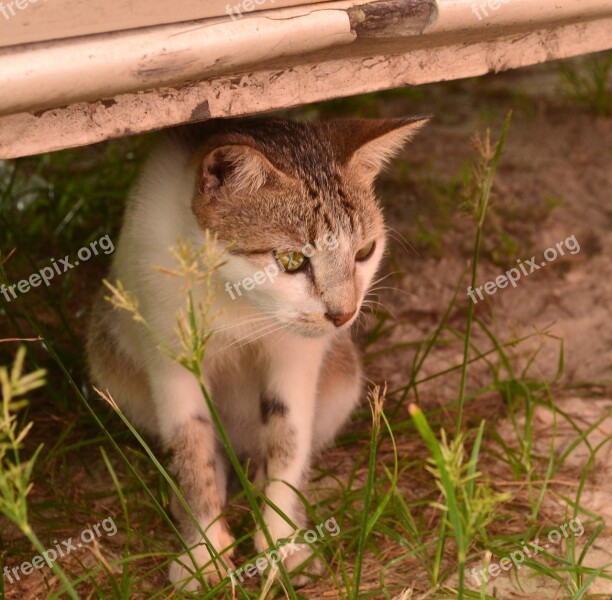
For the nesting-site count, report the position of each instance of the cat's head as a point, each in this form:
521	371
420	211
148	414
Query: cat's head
296	202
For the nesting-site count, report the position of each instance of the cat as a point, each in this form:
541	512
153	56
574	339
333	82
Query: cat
281	367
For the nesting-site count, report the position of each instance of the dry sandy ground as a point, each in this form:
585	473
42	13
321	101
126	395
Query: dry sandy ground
554	182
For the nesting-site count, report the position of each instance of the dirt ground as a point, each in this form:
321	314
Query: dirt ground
554	181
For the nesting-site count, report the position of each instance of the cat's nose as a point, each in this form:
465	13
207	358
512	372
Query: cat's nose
339	319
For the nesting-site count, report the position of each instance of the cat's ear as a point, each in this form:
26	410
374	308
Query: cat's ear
368	145
239	169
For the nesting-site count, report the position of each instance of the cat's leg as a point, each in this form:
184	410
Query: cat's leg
337	393
287	409
339	390
188	432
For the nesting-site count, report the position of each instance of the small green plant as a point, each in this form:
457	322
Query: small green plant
478	196
552	202
468	511
468	508
15	473
589	86
476	500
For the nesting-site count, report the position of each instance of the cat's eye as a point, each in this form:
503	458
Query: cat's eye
365	252
291	261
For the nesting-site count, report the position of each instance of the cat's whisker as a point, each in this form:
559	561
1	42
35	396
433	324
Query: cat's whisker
391	288
240	323
401	240
249	339
394	289
373	310
374	296
361	323
371	294
364	323
374	303
245	339
380	279
264	334
378	305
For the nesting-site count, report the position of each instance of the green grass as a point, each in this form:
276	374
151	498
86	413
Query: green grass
421	495
590	86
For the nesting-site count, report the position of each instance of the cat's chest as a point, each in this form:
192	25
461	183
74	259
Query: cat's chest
240	373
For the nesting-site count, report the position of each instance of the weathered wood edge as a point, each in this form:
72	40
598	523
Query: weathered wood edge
66	19
86	123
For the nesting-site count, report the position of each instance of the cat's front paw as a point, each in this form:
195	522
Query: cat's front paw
187	576
301	564
297	558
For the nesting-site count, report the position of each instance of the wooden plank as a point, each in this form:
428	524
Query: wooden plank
424	59
90	68
37	77
493	15
26	21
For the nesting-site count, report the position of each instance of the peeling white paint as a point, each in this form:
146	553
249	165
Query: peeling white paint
269	89
79	91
